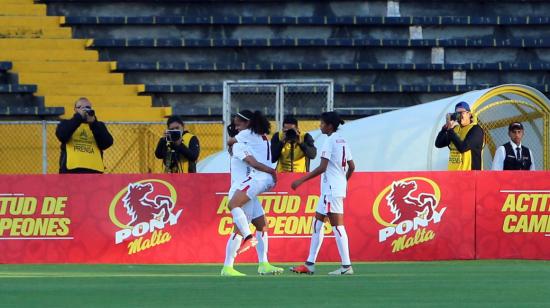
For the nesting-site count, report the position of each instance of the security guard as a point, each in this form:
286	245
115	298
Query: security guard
513	155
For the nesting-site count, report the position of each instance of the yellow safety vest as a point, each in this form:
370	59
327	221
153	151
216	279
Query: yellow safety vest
285	164
460	161
82	150
184	162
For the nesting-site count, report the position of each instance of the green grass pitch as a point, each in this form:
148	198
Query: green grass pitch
506	283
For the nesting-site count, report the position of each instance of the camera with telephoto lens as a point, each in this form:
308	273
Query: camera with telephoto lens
291	135
454	116
89	111
173	135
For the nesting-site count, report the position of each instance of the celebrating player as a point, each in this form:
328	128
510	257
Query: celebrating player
336	168
246	184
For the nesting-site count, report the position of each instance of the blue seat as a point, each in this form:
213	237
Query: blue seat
17	88
341	88
314	20
5	66
31	111
124	66
333	42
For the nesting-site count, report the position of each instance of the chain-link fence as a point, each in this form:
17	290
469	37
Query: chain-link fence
32	147
495	117
304	99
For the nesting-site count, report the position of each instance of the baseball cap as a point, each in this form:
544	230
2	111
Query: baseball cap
514	126
463	105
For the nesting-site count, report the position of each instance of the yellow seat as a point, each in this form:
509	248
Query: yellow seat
23	9
104	101
43	53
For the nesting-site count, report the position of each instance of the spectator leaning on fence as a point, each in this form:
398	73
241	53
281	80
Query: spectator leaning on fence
464	138
292	149
178	149
83	139
513	155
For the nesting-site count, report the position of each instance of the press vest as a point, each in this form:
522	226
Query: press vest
183	161
82	150
286	163
511	162
457	160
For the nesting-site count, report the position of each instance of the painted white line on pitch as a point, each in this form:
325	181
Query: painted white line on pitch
15	195
36	238
539	191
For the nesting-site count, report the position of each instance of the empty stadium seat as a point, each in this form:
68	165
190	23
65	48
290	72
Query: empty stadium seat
181	51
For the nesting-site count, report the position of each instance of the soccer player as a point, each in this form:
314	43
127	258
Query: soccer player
336	168
246	184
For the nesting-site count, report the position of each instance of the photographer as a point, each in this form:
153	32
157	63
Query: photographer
83	139
513	155
291	149
178	149
464	138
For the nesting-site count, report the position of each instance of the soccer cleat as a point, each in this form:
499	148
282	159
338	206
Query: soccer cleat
303	269
264	268
230	271
342	271
248	243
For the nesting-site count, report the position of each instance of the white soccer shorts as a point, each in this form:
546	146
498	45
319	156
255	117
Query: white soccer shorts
252	209
329	204
253	187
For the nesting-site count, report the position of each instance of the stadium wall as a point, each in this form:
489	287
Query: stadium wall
390	216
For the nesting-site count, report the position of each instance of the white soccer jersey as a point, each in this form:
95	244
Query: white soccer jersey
259	146
239	169
338	153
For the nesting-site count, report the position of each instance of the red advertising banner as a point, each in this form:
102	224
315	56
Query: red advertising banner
513	215
184	218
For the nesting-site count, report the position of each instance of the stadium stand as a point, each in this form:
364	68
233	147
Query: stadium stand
60	69
16	100
379	53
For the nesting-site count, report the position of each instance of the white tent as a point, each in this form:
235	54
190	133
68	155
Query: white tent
403	140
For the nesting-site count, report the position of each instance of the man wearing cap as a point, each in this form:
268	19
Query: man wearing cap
464	138
513	155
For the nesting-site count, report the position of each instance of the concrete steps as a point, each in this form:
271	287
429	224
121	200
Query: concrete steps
23	9
34	32
103	101
86	90
73	78
44	43
46	55
61	66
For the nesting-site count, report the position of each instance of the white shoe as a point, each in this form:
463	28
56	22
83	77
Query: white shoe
342	271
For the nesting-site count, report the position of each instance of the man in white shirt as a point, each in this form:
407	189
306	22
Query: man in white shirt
513	155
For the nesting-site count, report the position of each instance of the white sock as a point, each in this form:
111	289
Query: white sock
342	242
233	243
239	219
261	247
316	240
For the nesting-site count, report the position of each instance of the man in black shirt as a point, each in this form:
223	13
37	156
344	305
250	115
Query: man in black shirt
83	139
464	138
